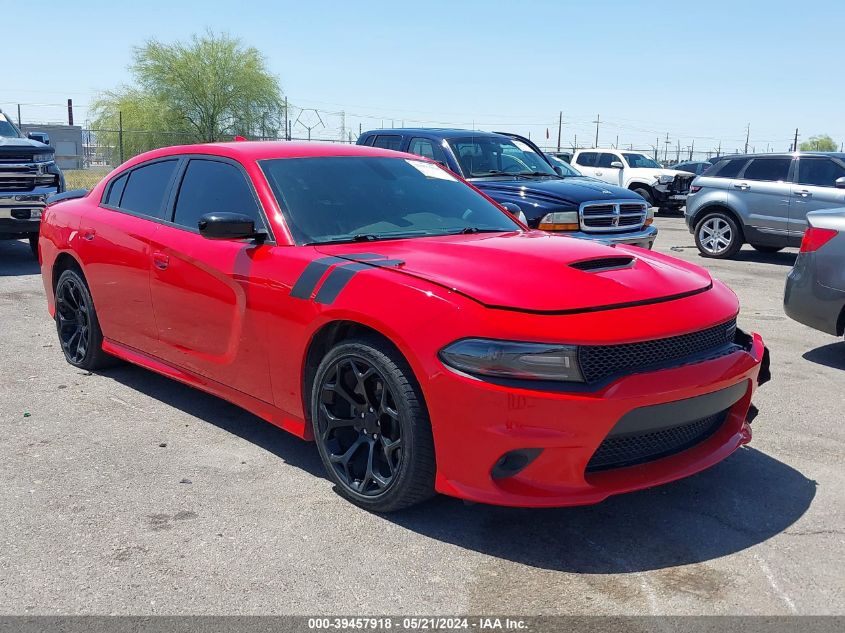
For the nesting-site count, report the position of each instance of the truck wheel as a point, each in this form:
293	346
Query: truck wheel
77	323
371	426
645	193
33	244
767	249
718	236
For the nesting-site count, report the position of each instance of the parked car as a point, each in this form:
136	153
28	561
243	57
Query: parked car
661	187
815	288
696	167
28	174
762	200
566	157
375	303
514	172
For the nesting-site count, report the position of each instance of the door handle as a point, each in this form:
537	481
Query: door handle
804	193
161	261
88	235
742	185
598	172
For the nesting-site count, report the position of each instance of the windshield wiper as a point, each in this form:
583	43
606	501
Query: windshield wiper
475	229
366	237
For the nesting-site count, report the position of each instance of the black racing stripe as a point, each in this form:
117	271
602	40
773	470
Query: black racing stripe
386	262
336	281
313	272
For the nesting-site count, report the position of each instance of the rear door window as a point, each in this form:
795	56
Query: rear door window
213	187
146	191
428	148
388	141
604	160
819	172
588	159
768	169
728	168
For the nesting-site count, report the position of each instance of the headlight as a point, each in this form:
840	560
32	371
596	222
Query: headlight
513	359
665	179
42	158
649	217
559	221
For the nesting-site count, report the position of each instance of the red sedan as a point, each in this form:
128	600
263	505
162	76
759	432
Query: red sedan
375	303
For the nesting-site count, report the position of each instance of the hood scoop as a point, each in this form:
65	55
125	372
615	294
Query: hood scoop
602	264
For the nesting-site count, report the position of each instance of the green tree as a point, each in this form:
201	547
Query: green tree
208	89
819	143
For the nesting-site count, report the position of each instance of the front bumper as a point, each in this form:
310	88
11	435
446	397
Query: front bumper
643	238
563	430
20	211
810	302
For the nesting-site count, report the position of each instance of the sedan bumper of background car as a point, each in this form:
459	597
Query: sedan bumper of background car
644	238
523	447
810	302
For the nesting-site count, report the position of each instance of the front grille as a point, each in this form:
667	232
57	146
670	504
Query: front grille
637	448
681	184
17	184
15	158
600	217
599	362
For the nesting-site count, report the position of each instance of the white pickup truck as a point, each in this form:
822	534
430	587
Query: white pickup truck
663	188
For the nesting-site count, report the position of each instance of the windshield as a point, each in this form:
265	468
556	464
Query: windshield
6	127
565	168
493	156
361	198
640	160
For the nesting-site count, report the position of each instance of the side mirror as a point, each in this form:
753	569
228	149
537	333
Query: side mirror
840	183
228	226
511	208
617	164
41	137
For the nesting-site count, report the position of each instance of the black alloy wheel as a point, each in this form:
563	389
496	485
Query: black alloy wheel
370	427
77	323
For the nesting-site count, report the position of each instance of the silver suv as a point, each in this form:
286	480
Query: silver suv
762	199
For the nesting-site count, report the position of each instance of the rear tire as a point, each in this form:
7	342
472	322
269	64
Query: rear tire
718	236
762	248
371	426
77	325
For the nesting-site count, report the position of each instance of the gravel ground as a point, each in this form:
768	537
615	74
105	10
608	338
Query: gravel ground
126	493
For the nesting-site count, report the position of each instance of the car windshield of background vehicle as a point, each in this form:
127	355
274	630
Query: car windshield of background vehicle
566	169
6	128
640	160
481	156
361	198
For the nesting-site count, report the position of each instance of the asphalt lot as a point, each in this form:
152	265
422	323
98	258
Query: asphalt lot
127	493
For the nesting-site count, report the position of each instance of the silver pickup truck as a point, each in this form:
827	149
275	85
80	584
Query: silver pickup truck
28	174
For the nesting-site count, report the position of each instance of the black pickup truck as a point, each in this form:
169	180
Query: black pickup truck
28	174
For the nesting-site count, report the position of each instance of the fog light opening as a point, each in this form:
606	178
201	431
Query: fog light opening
514	462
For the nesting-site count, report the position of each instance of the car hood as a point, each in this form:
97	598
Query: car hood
571	191
11	144
533	271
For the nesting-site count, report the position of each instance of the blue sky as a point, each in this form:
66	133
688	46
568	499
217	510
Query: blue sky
699	70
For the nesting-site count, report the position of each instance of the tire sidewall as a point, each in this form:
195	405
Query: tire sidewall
645	193
736	235
95	339
408	425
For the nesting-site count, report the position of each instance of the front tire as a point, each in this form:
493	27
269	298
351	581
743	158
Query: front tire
77	324
371	426
717	235
33	244
645	193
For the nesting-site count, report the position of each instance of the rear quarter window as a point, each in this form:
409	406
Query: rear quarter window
727	168
388	141
588	159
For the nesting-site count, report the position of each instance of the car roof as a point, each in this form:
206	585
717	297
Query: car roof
840	155
436	132
263	150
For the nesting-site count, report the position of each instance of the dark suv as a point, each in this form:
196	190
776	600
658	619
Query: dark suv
28	174
762	199
514	171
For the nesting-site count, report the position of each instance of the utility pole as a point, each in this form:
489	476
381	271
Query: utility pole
342	125
747	135
19	115
559	128
795	143
678	152
656	147
120	134
597	121
70	111
575	144
719	149
666	148
691	149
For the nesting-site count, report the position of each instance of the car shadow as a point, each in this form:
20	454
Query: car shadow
745	500
16	259
831	355
781	259
222	414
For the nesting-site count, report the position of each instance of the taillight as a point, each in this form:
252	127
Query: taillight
694	188
815	238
